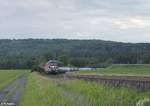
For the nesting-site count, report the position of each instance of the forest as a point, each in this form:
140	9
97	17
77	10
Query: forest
26	53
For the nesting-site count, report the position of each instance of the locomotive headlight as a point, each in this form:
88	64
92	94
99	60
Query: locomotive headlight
53	66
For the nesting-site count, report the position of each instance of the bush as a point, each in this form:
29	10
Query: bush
37	69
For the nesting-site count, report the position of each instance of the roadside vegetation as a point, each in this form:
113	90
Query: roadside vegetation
129	70
7	76
43	91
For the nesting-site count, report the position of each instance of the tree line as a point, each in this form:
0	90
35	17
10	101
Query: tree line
27	53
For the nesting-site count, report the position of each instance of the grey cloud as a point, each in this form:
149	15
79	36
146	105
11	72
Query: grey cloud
98	19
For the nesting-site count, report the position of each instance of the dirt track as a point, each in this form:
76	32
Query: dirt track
10	95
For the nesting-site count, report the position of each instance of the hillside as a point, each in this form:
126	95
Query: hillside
27	52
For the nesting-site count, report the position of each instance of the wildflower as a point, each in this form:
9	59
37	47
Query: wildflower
143	102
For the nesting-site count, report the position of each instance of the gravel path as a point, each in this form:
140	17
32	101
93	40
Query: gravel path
10	95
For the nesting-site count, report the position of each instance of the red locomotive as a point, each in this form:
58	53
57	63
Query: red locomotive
52	66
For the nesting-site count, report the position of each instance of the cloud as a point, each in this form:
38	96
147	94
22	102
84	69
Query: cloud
98	19
133	23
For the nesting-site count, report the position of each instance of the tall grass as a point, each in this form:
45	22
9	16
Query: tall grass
41	91
101	95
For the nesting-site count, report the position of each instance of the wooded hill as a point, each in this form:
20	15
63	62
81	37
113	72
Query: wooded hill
97	53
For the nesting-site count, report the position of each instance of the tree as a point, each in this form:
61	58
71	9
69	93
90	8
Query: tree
63	59
48	56
78	62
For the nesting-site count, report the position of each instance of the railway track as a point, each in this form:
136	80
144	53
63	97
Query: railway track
136	82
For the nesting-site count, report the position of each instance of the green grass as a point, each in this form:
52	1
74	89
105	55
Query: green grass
41	91
7	76
101	95
130	70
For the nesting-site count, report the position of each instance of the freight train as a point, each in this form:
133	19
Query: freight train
53	67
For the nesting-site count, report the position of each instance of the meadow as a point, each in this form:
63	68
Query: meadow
57	91
6	76
44	91
120	70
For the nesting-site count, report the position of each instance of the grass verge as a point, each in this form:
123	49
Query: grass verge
42	91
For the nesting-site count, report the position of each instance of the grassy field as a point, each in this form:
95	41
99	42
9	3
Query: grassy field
43	91
130	70
7	76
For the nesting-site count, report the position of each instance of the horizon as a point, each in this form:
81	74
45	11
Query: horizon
74	39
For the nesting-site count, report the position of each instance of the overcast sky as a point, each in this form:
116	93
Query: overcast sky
117	20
